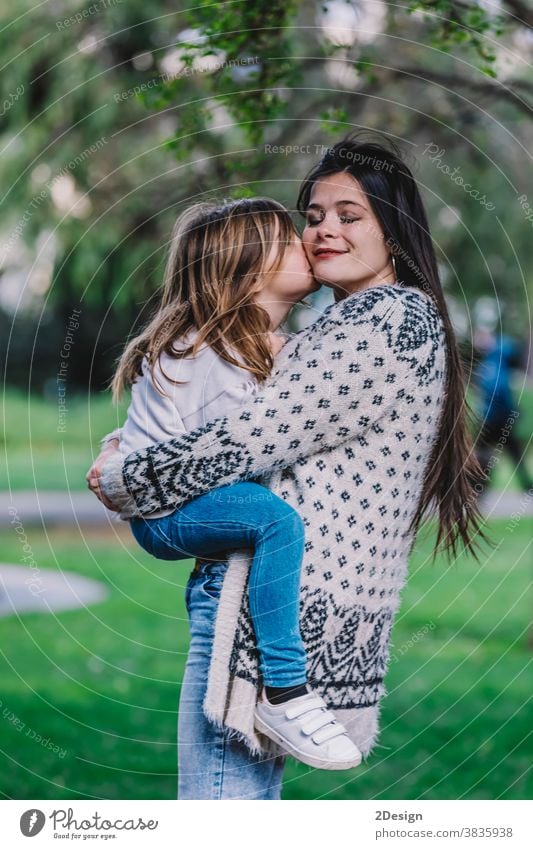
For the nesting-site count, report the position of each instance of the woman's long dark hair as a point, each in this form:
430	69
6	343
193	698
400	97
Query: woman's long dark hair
393	195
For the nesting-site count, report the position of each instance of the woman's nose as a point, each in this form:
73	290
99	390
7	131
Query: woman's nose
326	228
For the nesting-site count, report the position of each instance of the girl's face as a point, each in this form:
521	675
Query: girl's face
293	280
343	239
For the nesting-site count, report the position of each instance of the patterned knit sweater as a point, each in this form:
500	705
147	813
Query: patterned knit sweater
343	431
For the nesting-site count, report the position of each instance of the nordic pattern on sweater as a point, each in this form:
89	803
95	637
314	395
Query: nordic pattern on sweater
343	431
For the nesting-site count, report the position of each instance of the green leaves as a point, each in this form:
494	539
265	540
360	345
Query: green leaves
334	121
454	23
253	43
219	80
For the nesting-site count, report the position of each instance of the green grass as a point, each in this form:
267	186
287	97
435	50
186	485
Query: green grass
103	683
37	455
40	457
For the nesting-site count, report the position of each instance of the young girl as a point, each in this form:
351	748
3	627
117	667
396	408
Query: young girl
233	274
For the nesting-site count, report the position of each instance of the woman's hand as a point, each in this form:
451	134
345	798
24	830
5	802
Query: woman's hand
93	475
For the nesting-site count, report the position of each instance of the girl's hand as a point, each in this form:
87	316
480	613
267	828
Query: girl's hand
93	475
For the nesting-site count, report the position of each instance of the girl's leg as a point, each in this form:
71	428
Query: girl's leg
247	515
210	766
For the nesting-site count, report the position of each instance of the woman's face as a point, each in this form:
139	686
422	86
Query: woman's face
342	237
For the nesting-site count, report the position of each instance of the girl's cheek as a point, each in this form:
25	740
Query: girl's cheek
307	246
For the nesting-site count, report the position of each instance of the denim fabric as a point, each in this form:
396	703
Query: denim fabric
246	515
211	766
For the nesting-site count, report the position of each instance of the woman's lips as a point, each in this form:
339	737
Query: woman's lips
327	253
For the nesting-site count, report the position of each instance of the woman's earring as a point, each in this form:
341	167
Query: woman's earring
394	267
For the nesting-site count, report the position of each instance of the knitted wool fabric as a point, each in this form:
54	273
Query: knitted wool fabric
343	431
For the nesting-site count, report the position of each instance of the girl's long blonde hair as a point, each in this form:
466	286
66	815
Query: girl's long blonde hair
218	256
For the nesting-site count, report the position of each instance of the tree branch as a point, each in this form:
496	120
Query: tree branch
452	81
521	12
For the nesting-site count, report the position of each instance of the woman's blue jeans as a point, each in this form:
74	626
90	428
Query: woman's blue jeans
209	765
246	515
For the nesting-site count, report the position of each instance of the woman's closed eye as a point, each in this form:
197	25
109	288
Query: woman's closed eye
344	219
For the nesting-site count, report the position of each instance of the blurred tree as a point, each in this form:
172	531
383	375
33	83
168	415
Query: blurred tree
116	114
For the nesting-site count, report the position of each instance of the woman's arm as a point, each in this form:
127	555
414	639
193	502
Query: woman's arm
333	388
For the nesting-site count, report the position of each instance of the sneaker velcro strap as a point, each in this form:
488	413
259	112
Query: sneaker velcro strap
325	717
304	707
329	732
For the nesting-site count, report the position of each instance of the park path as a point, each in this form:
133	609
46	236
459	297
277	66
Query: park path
54	508
26	589
30	588
82	508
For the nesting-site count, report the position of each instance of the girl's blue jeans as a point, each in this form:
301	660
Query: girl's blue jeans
209	765
246	515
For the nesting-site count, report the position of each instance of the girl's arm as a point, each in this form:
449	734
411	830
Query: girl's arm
334	387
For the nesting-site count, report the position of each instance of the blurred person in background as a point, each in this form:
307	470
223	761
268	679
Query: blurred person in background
499	356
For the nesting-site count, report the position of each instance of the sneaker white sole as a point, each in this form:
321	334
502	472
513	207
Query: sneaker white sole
306	758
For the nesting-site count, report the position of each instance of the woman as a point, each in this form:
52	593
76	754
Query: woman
362	429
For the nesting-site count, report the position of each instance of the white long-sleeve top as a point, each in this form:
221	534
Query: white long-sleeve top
209	387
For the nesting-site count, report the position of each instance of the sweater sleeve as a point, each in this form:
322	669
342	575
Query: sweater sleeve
109	437
339	379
